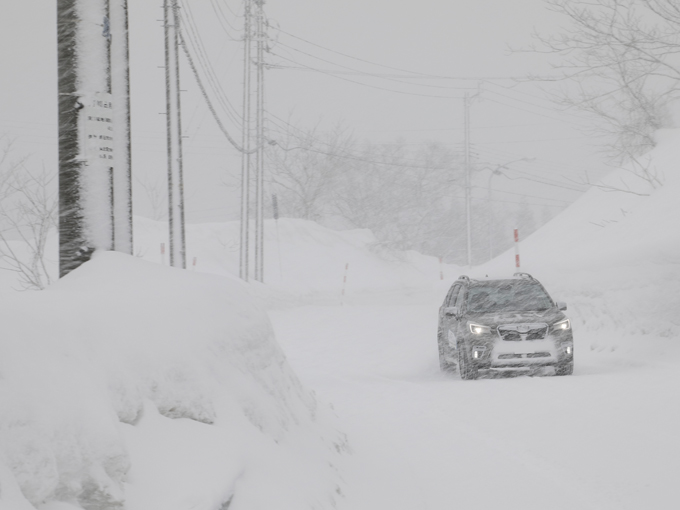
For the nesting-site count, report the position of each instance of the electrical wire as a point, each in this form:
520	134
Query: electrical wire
534	104
361	83
222	18
532	112
426	75
209	103
522	195
372	75
196	41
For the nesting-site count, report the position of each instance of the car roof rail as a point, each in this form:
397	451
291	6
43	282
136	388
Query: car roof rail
526	276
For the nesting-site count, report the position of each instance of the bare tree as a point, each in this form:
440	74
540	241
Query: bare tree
28	211
156	193
407	198
620	61
304	167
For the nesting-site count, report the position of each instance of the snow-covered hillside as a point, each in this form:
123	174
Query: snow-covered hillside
614	256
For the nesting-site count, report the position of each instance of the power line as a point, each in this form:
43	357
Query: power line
353	157
532	112
524	195
517	203
535	140
206	66
222	18
432	76
534	104
543	161
361	83
209	103
372	75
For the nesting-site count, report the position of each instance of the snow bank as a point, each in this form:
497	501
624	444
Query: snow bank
129	384
302	258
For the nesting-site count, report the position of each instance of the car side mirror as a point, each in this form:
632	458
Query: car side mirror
561	305
451	311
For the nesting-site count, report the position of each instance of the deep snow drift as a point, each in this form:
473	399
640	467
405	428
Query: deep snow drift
148	387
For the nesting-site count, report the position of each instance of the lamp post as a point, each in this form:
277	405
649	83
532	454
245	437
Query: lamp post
496	171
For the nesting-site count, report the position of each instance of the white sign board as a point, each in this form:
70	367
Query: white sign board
97	116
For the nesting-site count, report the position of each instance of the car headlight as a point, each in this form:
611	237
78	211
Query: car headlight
478	329
562	325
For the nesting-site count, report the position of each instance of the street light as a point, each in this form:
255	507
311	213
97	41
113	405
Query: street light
497	171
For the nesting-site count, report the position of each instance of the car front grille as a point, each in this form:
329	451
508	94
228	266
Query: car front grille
519	332
528	355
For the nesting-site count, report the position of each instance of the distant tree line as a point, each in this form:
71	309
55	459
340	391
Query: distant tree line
410	196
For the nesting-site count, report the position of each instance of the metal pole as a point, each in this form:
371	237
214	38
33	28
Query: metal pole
174	137
258	154
259	182
468	191
490	215
245	155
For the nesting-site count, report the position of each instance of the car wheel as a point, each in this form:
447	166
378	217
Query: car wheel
565	368
444	364
467	368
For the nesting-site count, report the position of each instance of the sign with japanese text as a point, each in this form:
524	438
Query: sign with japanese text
97	116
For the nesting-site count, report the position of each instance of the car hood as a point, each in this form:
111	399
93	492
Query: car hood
493	318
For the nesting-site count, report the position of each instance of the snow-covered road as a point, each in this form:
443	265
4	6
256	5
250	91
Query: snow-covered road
605	438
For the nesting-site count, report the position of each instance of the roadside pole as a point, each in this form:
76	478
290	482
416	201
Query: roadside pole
344	284
174	137
275	209
87	121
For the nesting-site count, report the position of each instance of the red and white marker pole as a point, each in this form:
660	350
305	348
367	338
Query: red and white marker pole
194	264
517	248
163	253
441	268
344	284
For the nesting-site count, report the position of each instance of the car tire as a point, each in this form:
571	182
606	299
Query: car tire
444	364
565	368
468	370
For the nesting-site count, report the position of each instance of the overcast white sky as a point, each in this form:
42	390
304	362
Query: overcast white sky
468	38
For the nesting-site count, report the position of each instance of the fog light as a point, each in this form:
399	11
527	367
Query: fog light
478	351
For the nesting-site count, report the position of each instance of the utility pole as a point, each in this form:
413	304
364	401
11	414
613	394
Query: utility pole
120	90
174	137
86	131
468	180
245	155
259	176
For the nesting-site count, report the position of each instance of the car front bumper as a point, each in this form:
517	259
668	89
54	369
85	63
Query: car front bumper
550	351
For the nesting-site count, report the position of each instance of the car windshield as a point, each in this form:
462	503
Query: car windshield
512	296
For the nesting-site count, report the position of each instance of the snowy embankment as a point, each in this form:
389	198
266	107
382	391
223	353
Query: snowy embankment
614	256
132	385
304	261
